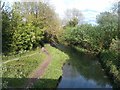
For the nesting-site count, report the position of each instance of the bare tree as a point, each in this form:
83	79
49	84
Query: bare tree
71	14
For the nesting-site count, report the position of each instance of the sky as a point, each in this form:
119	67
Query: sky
89	8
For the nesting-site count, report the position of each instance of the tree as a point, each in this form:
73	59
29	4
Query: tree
73	15
27	24
116	10
27	34
108	23
42	15
6	28
79	36
118	19
73	22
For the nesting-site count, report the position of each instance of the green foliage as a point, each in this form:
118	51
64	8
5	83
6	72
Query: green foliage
108	23
25	24
84	35
6	31
26	37
73	22
114	46
15	73
111	63
94	38
43	16
102	38
54	70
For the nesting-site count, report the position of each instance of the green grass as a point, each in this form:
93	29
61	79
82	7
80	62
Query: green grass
15	73
54	70
5	58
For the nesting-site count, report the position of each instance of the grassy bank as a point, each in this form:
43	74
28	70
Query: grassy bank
110	62
22	54
54	70
15	72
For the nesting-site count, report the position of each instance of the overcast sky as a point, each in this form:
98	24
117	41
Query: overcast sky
89	8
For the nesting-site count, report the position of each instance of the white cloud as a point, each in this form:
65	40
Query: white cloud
60	6
90	8
10	1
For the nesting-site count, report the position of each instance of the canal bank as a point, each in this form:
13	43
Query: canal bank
106	59
82	71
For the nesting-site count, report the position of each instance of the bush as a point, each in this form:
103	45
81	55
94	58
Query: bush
111	62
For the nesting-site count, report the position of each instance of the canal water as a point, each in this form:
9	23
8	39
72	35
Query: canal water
83	71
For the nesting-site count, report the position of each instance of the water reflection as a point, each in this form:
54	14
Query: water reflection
73	79
83	71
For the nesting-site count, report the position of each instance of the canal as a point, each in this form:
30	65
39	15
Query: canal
82	71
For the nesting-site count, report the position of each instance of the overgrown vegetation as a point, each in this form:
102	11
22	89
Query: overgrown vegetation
15	73
102	39
28	25
111	63
93	37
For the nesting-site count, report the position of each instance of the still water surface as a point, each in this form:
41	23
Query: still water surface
83	71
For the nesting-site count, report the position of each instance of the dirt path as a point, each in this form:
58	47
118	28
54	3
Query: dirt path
36	74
